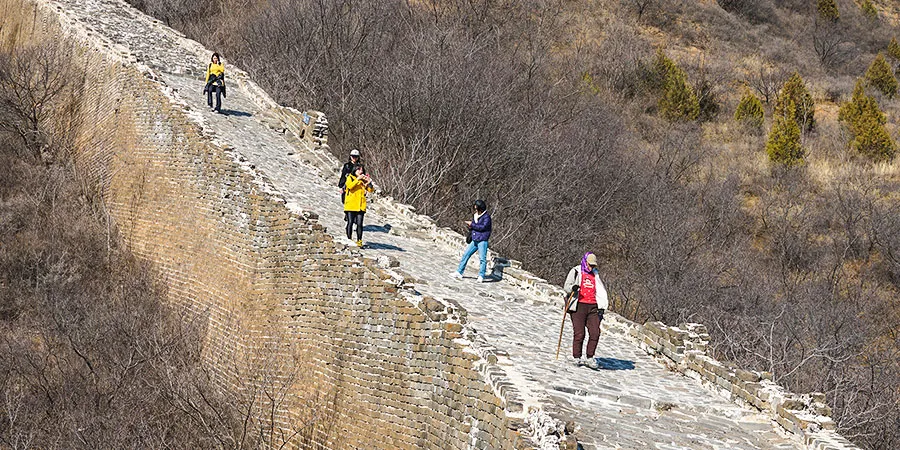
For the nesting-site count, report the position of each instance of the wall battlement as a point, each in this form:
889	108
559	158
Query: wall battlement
371	348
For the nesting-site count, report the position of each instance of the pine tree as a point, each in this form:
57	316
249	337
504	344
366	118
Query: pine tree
783	145
893	49
861	108
865	121
678	102
868	9
875	143
795	92
750	111
662	67
828	10
881	76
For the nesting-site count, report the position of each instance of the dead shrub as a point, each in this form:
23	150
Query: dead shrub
90	354
457	100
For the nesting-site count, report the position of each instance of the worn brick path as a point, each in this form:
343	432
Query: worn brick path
634	403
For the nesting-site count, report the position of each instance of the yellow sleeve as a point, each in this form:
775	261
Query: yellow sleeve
207	72
352	182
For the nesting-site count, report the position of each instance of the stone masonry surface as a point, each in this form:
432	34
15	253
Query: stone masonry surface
242	218
358	364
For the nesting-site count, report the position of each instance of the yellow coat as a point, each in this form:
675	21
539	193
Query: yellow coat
355	194
214	69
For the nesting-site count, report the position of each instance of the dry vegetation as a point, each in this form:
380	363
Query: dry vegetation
90	356
549	110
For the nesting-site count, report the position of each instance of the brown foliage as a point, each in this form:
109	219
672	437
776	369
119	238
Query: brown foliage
90	355
29	81
457	100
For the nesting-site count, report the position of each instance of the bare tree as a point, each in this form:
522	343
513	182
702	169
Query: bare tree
621	60
640	7
766	79
30	79
829	42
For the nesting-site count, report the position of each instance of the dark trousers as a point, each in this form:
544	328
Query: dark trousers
355	217
209	93
586	316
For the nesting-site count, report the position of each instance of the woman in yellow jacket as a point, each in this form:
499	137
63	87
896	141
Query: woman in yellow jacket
356	186
215	81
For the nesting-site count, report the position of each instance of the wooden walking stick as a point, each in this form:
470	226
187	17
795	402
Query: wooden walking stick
563	325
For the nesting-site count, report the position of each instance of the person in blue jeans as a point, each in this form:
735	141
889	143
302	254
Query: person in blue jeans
480	228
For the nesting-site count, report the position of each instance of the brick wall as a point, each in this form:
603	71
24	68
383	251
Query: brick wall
359	361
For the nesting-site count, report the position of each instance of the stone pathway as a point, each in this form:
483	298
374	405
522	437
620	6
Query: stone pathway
635	403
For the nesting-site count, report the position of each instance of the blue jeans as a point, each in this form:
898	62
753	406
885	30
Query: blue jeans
481	247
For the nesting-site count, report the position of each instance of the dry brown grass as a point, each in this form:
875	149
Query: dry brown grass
696	224
91	356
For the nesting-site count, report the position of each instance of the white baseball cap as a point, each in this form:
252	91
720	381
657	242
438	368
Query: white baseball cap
354	152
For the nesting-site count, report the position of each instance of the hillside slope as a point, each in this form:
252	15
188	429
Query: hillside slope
550	110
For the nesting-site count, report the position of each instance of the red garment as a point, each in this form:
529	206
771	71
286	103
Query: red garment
587	292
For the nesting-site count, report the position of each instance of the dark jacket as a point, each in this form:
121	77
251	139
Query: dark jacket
348	167
216	82
481	230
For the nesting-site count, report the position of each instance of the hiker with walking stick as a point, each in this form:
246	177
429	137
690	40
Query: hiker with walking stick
591	302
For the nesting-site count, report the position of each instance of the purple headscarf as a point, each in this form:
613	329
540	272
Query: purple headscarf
585	267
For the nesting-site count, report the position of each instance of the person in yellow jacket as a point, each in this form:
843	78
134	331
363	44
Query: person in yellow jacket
356	186
215	81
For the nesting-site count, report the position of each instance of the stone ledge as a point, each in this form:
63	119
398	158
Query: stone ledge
685	347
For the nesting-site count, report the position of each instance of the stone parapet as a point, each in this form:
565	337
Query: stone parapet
685	347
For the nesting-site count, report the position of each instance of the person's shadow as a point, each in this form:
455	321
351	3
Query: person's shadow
615	364
234	113
377	228
497	270
382	246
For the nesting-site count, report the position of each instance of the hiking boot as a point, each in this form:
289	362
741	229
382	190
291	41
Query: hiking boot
456	275
593	363
480	279
577	362
359	244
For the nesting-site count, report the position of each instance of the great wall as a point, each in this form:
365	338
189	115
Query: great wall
371	348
